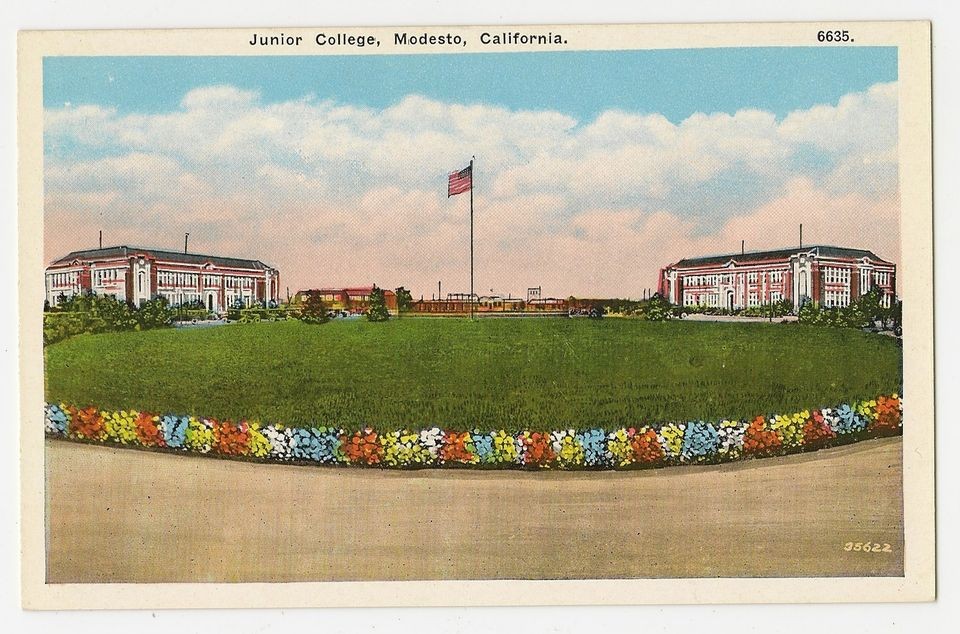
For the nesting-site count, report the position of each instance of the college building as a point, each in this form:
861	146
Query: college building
138	274
826	275
353	299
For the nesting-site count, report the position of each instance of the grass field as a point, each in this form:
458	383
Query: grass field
487	373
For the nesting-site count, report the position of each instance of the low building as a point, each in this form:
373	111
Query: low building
354	299
826	275
138	274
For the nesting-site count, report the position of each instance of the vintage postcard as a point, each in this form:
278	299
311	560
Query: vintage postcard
477	315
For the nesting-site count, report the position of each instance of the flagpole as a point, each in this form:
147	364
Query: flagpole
472	181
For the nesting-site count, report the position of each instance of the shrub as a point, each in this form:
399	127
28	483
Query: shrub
378	305
313	310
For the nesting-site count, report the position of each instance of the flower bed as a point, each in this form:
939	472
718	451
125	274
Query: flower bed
693	442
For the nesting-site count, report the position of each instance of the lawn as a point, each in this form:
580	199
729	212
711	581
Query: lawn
487	373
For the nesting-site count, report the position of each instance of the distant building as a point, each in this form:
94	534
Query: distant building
354	299
460	304
829	276
138	274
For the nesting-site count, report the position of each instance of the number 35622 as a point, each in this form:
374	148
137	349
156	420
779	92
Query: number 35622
867	547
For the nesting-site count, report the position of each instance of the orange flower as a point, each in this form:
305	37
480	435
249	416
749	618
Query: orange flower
646	447
148	433
889	416
363	447
231	439
86	423
759	440
454	448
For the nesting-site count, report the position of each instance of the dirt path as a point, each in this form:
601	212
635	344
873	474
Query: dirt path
122	515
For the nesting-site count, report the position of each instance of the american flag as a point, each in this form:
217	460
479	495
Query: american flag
460	182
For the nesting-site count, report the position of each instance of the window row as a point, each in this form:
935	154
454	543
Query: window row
753	277
706	299
63	279
102	277
176	278
836	299
834	275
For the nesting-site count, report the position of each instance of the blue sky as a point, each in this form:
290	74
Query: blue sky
593	169
674	83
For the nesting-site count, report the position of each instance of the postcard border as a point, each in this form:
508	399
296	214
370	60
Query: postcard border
915	147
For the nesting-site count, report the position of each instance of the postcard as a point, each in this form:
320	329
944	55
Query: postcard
476	315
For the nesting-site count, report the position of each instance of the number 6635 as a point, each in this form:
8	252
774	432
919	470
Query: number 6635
867	547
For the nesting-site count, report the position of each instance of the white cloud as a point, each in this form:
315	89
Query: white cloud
363	189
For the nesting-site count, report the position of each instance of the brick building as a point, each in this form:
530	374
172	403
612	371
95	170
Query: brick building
139	274
827	275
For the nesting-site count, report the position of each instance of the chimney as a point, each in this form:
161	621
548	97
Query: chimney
743	247
801	235
186	237
101	238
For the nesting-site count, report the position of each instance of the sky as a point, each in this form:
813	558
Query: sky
593	169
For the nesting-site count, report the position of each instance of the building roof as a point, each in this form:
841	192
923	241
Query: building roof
756	256
173	256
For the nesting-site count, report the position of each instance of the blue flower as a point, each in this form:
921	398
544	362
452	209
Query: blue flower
700	440
174	430
594	442
55	420
850	422
318	444
483	446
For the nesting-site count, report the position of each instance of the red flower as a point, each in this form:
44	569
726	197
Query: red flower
539	449
816	430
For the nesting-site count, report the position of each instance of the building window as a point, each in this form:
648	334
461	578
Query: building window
836	299
752	277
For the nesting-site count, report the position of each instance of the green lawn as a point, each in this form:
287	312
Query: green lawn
491	372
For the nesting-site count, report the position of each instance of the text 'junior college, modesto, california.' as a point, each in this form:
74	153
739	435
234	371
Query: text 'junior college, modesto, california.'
407	39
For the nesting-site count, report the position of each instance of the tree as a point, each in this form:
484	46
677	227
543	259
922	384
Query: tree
378	305
313	310
657	308
404	299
